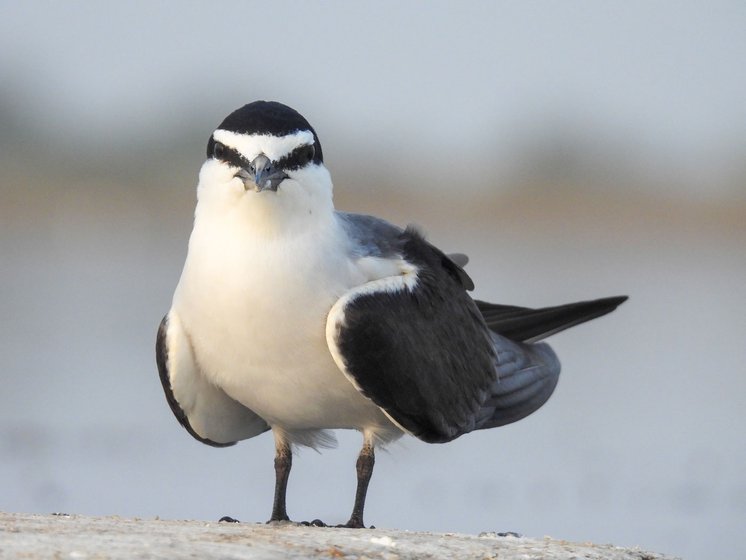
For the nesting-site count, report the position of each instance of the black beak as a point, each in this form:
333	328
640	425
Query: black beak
261	174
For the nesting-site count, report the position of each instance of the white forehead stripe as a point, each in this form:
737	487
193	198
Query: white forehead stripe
274	147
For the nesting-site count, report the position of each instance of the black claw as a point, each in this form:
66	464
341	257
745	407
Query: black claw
226	519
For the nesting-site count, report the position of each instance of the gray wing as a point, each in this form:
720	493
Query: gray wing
416	344
204	410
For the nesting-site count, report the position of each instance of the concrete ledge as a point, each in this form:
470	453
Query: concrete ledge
77	536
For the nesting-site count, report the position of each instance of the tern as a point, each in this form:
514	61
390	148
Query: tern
294	317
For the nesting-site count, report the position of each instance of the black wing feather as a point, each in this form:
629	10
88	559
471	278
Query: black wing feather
423	355
529	325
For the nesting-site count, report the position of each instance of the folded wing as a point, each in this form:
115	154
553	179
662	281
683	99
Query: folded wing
416	344
206	412
438	363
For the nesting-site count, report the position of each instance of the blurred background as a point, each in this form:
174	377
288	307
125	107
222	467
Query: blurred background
574	150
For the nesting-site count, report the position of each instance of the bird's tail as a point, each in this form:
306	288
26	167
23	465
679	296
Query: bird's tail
523	324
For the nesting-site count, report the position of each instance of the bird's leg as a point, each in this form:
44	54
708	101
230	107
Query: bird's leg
365	462
283	462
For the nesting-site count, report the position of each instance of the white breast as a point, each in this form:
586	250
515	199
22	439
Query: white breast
255	308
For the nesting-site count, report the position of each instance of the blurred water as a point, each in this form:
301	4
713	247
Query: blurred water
642	444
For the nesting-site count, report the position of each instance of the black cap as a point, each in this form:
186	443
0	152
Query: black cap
268	117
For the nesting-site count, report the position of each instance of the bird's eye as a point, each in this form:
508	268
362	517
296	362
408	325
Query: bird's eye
310	152
218	150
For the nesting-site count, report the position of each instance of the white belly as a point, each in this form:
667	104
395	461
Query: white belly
255	312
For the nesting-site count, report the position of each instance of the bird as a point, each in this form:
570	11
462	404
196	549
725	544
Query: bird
294	317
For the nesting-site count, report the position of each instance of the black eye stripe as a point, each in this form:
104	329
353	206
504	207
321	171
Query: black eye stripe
296	159
232	157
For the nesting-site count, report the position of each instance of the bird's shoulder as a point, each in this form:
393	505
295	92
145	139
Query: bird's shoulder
370	236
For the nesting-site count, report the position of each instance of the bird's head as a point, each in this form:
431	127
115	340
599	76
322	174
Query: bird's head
265	157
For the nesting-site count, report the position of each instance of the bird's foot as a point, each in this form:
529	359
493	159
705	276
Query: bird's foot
227	519
354	523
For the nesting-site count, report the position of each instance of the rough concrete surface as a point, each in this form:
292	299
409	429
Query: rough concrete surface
76	536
